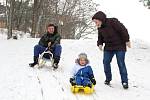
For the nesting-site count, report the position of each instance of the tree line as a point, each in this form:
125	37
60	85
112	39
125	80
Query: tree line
73	17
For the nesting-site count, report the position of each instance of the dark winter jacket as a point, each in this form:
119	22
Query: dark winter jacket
53	38
112	33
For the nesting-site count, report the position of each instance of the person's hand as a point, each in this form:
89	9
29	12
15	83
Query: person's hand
49	44
93	81
128	44
72	81
100	47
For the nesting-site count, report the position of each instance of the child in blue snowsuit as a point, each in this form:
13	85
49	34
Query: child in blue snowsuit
82	73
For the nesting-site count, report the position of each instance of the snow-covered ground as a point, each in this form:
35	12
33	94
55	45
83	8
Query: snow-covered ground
20	82
19	34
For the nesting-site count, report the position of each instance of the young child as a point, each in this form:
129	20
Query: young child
82	72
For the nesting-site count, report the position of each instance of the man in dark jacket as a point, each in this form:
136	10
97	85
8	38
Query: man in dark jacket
51	40
115	36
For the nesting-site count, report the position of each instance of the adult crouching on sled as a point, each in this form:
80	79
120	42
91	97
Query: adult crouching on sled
115	36
50	40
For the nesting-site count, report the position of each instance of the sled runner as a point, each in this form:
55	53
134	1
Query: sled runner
85	89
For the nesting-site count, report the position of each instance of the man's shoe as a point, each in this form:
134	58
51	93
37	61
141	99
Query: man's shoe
55	65
107	82
32	64
125	85
35	59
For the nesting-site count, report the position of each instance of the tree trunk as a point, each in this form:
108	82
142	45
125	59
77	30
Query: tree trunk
34	18
10	17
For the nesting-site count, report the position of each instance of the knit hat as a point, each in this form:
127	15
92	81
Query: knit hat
82	55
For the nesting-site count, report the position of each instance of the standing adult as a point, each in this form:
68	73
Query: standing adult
114	35
50	40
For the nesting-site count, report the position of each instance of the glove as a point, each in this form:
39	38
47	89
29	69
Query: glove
128	44
72	81
100	47
93	81
49	44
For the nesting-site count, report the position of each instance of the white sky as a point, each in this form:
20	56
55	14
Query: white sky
132	13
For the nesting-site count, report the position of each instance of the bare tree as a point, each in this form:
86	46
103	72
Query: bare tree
34	18
10	17
78	19
37	16
22	15
73	17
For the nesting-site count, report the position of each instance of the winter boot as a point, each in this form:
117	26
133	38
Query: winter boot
125	85
35	61
56	61
55	65
107	82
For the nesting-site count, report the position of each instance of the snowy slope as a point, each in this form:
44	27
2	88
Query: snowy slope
20	82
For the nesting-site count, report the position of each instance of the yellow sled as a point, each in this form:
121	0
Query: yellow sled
85	89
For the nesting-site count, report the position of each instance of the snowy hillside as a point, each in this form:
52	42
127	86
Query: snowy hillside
20	82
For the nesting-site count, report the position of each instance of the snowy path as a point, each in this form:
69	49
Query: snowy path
20	82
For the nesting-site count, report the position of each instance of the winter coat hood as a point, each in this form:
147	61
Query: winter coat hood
100	16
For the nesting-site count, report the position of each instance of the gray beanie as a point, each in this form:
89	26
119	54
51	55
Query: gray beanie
82	55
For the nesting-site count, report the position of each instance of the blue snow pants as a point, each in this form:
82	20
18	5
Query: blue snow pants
120	55
56	50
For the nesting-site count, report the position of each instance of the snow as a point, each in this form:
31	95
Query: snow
19	34
20	82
